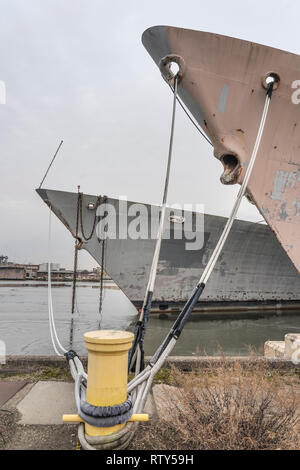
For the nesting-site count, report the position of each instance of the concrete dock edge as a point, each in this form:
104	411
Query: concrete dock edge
182	362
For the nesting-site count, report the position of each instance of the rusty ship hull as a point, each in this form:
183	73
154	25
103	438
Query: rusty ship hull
223	83
252	270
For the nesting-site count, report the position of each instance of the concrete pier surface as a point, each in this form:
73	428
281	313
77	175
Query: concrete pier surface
38	409
39	390
47	401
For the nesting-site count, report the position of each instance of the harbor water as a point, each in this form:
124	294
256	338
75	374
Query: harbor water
25	330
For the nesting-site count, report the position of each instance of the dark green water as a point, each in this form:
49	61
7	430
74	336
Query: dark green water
24	323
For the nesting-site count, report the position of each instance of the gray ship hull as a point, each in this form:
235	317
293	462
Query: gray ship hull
253	266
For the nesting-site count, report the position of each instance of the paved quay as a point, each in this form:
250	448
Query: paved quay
44	402
47	401
32	404
39	407
37	415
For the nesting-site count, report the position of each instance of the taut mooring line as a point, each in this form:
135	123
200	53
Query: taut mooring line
58	148
136	354
181	320
75	264
53	333
144	379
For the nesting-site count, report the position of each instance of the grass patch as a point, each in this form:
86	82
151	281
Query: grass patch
39	373
54	373
164	376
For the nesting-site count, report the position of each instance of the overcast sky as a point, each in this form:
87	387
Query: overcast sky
76	70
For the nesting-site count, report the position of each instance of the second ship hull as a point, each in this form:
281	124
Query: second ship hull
253	267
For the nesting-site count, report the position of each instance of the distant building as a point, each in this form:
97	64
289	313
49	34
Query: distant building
12	273
44	267
56	275
30	270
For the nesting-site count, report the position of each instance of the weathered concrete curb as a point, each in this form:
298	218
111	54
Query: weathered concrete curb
182	362
289	349
189	363
274	349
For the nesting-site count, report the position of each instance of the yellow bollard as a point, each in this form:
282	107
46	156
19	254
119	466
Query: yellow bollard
107	372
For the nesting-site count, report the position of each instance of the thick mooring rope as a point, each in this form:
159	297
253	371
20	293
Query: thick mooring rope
58	348
136	354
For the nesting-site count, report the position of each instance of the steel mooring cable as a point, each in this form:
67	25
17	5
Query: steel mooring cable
191	119
51	163
75	264
136	354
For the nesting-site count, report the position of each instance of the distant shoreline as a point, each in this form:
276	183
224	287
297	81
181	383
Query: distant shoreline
42	283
